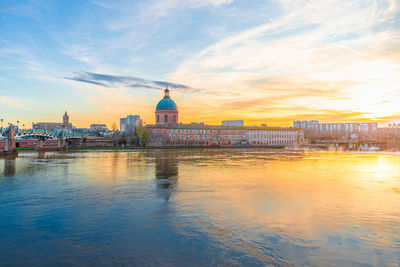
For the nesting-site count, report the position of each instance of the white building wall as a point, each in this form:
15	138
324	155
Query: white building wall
275	137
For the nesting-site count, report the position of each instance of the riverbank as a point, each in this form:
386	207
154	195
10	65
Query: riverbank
149	147
170	147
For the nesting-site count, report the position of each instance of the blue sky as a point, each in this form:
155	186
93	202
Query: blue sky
263	61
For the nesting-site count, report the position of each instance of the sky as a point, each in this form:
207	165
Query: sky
269	62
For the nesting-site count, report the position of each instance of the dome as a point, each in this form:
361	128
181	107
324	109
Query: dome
166	103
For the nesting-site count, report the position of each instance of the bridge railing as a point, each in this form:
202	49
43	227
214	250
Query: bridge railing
25	132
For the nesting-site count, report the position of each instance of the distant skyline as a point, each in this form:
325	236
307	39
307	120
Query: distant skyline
261	61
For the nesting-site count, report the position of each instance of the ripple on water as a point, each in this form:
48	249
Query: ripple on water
251	207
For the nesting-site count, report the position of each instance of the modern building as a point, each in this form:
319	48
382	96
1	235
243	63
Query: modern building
305	124
337	130
168	132
54	126
130	123
233	123
98	127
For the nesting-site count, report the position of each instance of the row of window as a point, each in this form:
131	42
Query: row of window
197	137
197	131
270	136
205	137
156	136
274	142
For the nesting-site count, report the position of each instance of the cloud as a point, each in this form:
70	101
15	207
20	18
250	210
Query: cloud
106	80
27	10
21	103
78	79
321	55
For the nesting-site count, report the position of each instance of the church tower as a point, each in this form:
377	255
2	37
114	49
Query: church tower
65	119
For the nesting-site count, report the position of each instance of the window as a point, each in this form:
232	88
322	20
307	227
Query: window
165	118
158	118
174	118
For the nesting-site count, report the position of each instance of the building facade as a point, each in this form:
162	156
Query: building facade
129	123
168	132
275	136
392	132
233	123
54	126
195	135
98	127
305	124
336	130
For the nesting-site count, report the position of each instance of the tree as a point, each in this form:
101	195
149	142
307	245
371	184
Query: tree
141	133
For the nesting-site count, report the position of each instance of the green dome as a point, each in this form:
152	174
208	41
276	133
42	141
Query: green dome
166	104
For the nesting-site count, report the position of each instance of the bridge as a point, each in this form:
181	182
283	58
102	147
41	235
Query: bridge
34	139
39	134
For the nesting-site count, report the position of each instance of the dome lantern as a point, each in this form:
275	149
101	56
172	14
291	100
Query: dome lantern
166	91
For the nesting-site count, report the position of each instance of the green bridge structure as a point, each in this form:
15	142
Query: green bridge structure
40	140
38	134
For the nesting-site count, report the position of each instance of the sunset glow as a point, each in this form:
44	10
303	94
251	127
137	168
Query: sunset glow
261	61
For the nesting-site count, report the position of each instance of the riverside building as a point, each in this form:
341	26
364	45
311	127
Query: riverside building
169	132
316	129
54	126
275	136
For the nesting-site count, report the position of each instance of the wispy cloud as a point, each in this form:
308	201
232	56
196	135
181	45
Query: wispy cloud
325	50
27	10
265	61
20	103
107	80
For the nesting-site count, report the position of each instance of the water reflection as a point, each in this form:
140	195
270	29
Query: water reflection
215	206
166	172
9	165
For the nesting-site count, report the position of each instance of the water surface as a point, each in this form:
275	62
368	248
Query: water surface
177	207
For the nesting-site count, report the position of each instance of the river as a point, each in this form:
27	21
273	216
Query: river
196	207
